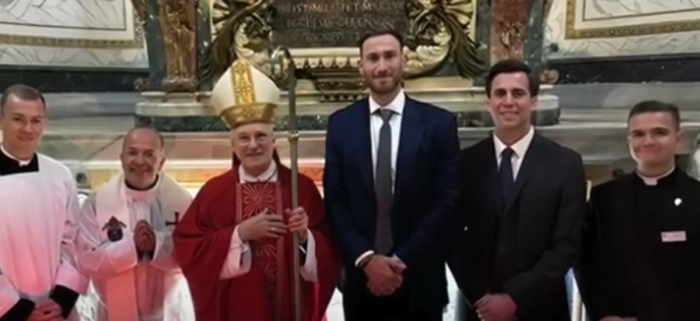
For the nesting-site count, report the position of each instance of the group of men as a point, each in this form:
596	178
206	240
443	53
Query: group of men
508	215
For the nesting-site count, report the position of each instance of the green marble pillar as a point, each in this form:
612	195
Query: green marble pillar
515	29
171	30
203	39
147	13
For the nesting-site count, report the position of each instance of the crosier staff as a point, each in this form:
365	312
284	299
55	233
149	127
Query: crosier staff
279	55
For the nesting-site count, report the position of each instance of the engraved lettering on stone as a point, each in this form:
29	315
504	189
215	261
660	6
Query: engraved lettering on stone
325	23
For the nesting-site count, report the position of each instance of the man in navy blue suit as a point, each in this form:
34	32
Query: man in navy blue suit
390	184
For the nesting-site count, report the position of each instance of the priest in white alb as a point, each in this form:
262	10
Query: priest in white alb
125	230
38	206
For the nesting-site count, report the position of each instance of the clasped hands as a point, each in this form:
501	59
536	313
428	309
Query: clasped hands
496	307
268	225
46	311
384	274
144	237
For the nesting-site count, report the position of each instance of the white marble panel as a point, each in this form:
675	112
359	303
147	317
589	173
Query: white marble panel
70	33
605	9
617	28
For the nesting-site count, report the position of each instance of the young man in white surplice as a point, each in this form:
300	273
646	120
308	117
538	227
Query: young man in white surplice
38	197
125	229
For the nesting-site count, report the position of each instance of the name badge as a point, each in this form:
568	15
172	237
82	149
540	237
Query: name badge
672	237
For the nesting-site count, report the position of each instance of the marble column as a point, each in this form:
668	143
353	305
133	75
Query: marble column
515	29
173	92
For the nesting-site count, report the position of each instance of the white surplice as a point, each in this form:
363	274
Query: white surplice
129	288
37	234
240	258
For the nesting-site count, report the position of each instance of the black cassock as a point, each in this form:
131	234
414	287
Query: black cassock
641	249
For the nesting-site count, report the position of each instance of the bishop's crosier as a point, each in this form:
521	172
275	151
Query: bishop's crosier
240	224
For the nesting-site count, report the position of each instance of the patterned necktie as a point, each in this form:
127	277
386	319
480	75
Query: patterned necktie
505	174
383	185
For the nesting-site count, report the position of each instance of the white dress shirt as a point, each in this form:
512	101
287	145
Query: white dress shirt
519	149
375	125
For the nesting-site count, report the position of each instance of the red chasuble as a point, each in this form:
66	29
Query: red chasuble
266	293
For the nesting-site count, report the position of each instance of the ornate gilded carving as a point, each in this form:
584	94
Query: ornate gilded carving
439	32
336	80
243	29
439	29
509	24
549	76
177	24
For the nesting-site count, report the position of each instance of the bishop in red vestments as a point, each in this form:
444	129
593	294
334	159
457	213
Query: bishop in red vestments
235	244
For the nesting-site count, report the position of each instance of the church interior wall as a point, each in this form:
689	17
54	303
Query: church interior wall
595	41
71	45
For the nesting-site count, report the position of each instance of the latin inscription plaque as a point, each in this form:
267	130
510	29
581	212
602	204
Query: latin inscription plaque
333	23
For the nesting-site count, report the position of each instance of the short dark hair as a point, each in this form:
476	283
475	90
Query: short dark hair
655	106
23	92
510	66
384	30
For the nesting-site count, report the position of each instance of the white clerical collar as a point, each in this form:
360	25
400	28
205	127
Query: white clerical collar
21	162
141	195
396	105
653	181
519	148
269	175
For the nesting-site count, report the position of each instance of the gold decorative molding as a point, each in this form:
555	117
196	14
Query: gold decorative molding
136	43
571	32
439	31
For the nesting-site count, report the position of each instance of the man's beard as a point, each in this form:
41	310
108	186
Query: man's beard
395	83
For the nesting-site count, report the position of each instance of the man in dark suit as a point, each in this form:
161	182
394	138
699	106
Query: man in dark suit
641	253
390	184
522	202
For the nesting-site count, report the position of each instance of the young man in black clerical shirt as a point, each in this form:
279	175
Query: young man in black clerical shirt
38	278
641	251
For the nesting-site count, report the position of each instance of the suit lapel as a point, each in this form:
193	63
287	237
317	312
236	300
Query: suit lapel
533	157
363	147
490	171
410	139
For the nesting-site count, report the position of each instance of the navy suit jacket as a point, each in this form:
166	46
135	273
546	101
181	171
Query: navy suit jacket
425	190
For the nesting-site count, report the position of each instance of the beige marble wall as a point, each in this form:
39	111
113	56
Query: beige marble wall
70	33
605	28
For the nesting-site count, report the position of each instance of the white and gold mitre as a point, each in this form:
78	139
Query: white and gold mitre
245	95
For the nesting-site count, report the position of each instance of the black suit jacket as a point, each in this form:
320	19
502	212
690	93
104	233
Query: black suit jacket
525	246
425	190
626	269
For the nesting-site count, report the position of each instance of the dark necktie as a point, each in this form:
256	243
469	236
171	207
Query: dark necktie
383	183
505	173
